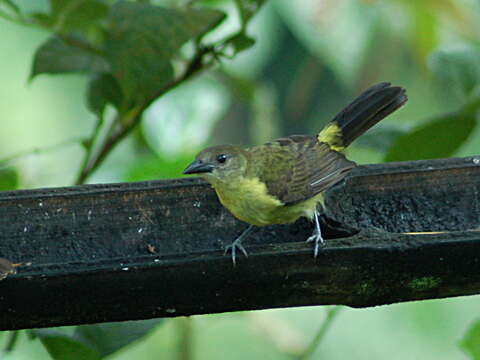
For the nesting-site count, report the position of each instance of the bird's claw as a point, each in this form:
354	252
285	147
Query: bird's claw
233	248
318	240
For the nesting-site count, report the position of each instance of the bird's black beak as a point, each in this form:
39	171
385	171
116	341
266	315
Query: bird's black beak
198	166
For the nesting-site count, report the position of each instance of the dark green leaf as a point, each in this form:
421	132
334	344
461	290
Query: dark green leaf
241	42
458	70
110	337
42	19
70	15
438	138
143	39
56	57
470	343
63	347
103	89
8	179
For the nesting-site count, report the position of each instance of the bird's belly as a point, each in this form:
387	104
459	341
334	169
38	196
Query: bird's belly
254	205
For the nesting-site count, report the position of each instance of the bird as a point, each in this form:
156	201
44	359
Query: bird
285	179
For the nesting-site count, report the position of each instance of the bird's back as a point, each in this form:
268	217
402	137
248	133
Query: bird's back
297	167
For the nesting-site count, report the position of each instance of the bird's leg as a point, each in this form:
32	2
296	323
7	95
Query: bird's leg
237	244
316	236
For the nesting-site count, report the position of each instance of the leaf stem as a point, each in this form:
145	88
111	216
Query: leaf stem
126	122
11	341
185	346
319	336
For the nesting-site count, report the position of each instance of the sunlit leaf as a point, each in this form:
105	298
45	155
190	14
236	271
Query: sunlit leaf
470	343
438	138
55	57
143	39
107	338
8	179
63	347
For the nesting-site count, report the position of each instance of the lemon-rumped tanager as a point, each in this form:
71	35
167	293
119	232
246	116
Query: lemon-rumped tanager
282	180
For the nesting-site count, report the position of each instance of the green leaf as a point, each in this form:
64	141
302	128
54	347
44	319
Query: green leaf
42	19
438	138
8	179
247	9
470	343
56	57
102	89
63	347
241	42
70	15
457	69
107	338
142	40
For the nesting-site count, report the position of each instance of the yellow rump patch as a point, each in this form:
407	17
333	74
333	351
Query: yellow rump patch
332	135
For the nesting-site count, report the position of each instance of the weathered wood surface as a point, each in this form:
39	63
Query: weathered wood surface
155	249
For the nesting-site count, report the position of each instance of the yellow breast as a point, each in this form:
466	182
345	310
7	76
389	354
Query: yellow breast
248	200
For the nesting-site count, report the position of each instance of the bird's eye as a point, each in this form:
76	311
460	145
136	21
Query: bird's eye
221	158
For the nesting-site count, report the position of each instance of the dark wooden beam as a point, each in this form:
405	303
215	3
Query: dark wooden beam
155	249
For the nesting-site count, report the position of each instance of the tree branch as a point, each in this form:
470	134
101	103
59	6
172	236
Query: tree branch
155	249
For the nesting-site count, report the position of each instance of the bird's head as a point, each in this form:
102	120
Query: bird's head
219	164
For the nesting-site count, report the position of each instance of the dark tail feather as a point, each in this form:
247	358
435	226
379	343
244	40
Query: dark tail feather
373	105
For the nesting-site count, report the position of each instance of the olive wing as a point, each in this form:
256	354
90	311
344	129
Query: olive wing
298	167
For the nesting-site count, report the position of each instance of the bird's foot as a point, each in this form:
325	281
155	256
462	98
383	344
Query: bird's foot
318	240
237	244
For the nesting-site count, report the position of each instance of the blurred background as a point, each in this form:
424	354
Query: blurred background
310	59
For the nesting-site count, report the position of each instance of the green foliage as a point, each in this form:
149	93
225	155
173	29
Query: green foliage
55	56
470	343
8	179
103	89
93	342
459	72
107	338
152	35
10	5
64	347
247	9
137	46
438	138
71	15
